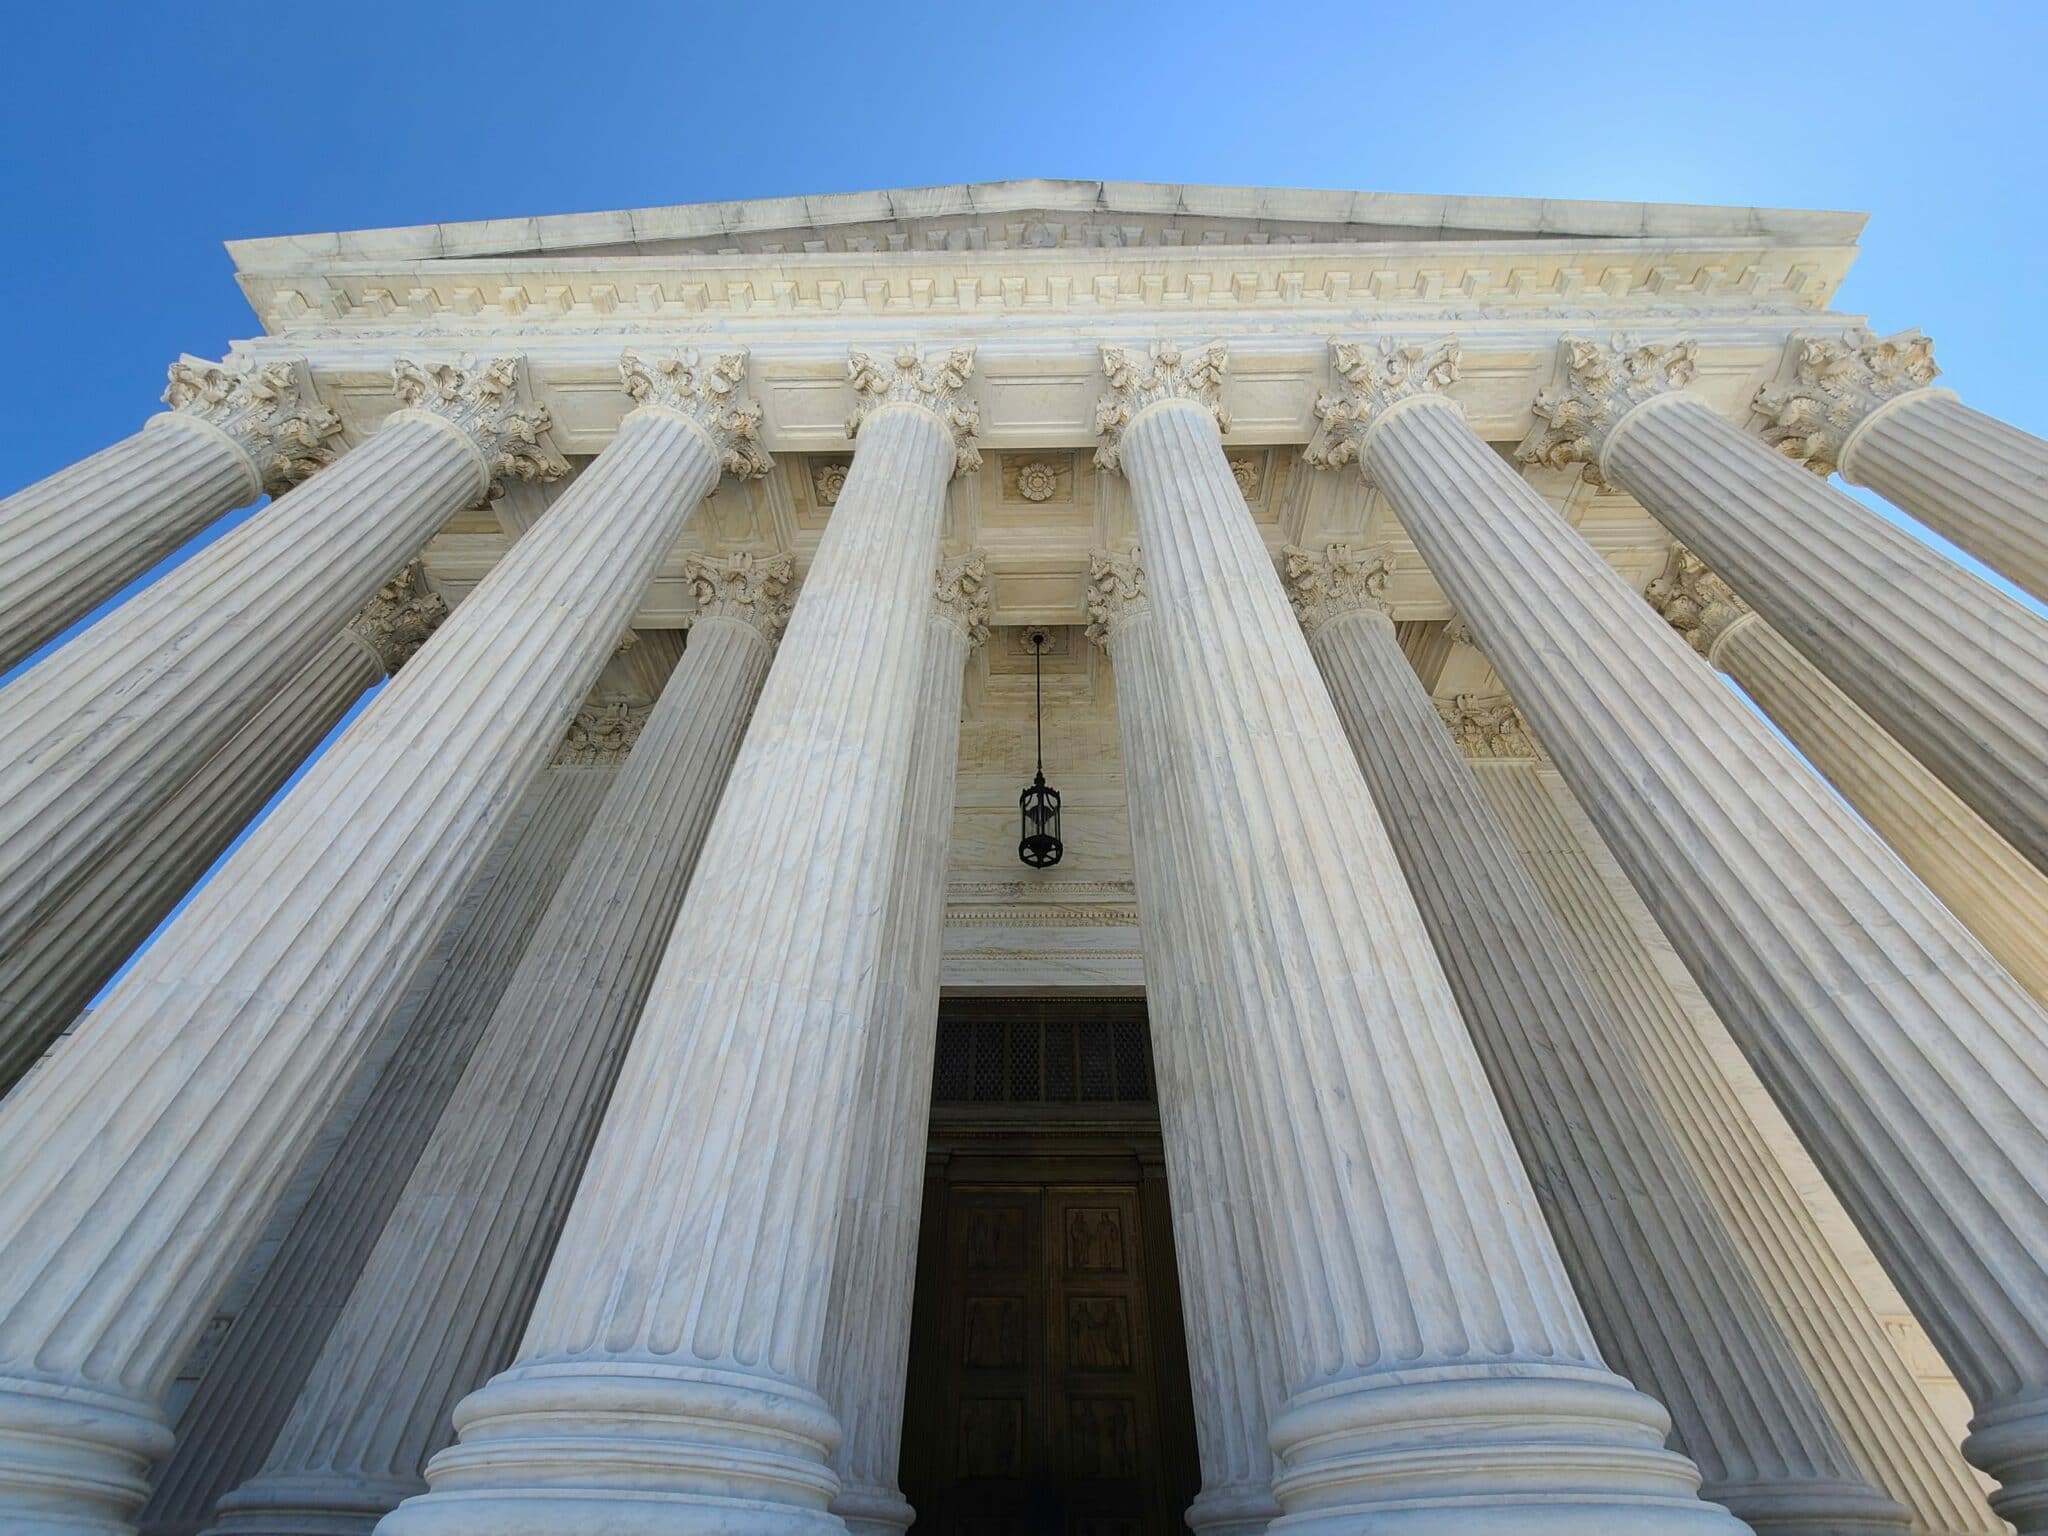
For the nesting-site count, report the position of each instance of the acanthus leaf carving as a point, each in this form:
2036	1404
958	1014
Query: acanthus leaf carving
962	594
266	409
1368	384
755	589
400	619
1488	727
1836	384
484	400
708	395
601	734
1167	371
1340	580
1694	601
933	382
1600	385
1116	593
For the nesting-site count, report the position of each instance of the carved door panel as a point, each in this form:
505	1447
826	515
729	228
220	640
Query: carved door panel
995	1386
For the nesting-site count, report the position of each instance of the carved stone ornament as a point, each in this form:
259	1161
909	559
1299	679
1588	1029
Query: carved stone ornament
1488	727
1165	372
1600	385
1116	593
268	410
400	618
1338	581
828	480
752	588
707	394
602	734
1835	386
1459	632
1368	382
1694	601
1246	473
933	382
963	594
1038	480
483	399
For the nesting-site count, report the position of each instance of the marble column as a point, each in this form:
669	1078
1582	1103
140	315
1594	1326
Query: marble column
668	1375
1233	1350
99	733
1913	1066
867	1323
427	1038
1440	1371
1978	875
234	430
439	1304
59	965
1954	669
1677	1047
1861	404
160	1138
1669	1297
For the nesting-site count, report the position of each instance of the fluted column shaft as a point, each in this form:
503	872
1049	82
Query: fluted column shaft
1437	1362
1670	1299
1871	1397
1233	1349
1915	1068
673	1351
161	1137
1954	669
1979	483
58	966
867	1328
1978	875
440	1303
249	1386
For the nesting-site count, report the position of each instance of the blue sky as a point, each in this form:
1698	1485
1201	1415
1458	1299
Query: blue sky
138	137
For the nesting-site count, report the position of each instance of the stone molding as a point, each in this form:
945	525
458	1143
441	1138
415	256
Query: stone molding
400	618
1369	385
963	594
485	401
1597	389
1166	372
755	589
601	734
1694	601
1116	593
1342	579
1488	727
706	395
1837	385
268	410
932	381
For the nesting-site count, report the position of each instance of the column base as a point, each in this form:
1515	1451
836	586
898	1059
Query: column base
630	1448
2010	1441
1809	1507
1235	1509
310	1504
870	1510
1540	1450
74	1459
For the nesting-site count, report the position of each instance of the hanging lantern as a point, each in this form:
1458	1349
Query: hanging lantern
1040	846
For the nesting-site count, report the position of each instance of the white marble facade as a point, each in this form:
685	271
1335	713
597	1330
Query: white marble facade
1624	1128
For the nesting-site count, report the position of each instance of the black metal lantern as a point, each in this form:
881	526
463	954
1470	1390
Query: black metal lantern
1040	846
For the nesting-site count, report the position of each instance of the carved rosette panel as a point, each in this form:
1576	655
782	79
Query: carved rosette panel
963	594
1835	385
268	410
708	395
1116	593
752	588
1368	381
1694	601
1488	727
1167	371
1599	385
601	734
400	618
1338	581
485	401
931	381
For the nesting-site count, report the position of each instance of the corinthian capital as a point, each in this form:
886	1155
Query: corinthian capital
1599	385
1836	385
267	410
1488	727
1116	593
602	734
1165	372
961	593
932	382
1694	601
707	395
400	618
484	401
1338	581
751	588
1369	383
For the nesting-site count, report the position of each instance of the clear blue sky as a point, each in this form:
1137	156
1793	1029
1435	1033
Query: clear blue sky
138	137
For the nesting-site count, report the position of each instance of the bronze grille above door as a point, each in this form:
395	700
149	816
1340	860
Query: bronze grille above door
1038	1051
